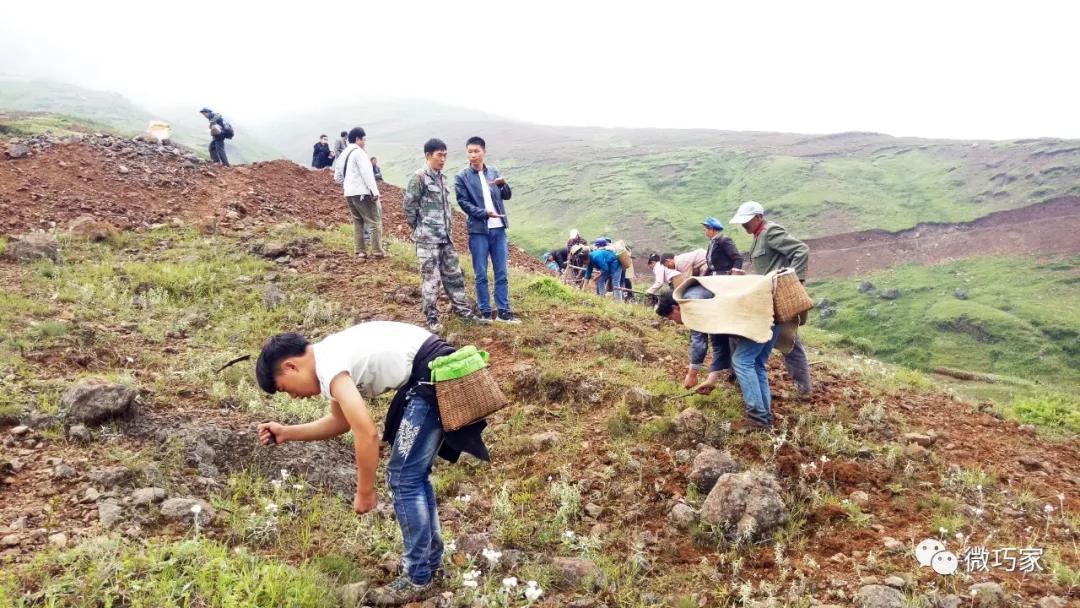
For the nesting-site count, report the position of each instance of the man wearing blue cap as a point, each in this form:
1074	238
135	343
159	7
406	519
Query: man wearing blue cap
219	132
722	254
605	260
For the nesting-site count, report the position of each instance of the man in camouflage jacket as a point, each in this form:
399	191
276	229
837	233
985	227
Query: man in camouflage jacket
428	212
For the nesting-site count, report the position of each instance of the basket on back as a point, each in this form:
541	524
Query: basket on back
465	388
789	296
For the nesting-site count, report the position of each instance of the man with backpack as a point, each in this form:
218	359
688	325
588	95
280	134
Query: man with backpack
349	369
220	130
353	171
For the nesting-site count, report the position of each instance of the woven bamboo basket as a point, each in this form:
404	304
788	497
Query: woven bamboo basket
468	399
789	296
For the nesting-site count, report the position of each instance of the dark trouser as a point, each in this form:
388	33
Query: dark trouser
493	245
798	367
217	151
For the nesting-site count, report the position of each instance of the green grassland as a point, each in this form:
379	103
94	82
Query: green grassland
1019	322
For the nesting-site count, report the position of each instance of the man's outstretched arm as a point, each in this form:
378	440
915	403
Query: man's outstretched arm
365	438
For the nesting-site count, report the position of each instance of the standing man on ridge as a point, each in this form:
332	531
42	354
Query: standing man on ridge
220	130
428	213
480	194
354	173
774	248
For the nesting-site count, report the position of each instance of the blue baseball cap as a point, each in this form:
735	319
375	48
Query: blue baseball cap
601	242
205	110
712	222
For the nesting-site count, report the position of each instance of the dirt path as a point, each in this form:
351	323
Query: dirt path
1048	227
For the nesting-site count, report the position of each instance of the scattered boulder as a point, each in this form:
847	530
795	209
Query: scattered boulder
945	601
749	502
273	296
878	596
110	478
110	513
10	540
18	150
146	496
32	247
94	401
708	466
58	540
272	249
183	509
890	294
866	287
860	498
1052	601
639	400
895	582
64	471
19	431
960	293
79	432
916	451
537	442
690	422
987	595
405	296
683	516
90	228
894	546
473	544
923	440
594	510
123	170
573	572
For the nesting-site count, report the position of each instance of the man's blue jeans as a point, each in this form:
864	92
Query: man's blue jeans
615	274
414	450
481	246
749	361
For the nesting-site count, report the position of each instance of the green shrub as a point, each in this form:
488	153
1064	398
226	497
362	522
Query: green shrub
551	289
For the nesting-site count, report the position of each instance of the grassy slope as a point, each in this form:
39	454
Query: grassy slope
121	115
1019	322
652	187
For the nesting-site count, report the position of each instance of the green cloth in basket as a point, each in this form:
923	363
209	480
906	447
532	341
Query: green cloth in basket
458	365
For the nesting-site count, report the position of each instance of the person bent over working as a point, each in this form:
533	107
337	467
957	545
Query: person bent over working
348	368
748	360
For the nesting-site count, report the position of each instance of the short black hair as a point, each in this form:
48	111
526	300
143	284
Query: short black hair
356	133
374	158
344	133
434	145
666	257
654	257
476	140
321	136
665	306
277	349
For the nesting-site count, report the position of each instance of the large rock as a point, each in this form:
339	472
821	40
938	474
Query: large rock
866	287
749	502
273	296
573	572
639	400
32	247
987	595
94	401
878	596
111	478
88	227
889	294
690	422
110	513
683	516
146	496
18	150
708	466
181	509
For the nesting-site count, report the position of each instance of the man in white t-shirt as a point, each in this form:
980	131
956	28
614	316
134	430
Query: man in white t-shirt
361	363
353	171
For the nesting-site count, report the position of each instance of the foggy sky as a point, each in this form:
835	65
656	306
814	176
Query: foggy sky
980	70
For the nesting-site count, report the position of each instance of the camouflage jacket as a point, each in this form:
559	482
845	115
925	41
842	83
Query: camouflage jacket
427	207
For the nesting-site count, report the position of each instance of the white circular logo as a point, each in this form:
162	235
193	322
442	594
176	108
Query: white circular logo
926	550
944	562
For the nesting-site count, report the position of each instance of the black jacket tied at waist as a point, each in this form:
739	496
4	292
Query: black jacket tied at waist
467	439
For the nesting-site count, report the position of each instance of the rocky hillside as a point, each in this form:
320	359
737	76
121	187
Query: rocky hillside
130	472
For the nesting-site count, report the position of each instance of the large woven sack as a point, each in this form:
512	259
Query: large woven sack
789	296
465	388
741	306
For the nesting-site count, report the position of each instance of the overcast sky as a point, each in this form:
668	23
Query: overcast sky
934	69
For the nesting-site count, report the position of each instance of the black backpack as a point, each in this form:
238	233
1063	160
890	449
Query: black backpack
227	130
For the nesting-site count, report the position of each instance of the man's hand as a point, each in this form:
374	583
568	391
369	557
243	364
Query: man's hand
691	379
365	500
705	387
498	181
269	431
494	214
737	271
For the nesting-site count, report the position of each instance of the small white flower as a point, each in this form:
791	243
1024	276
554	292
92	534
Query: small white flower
979	488
276	483
824	459
492	556
978	512
271	507
942	530
451	546
568	535
533	591
284	474
196	508
959	536
469	583
510	582
298	486
1049	509
1061	496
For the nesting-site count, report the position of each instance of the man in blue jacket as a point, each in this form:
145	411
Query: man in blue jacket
480	194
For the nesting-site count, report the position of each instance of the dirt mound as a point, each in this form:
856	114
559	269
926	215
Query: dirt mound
1049	226
133	183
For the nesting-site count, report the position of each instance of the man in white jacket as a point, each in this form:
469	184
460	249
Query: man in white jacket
353	171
